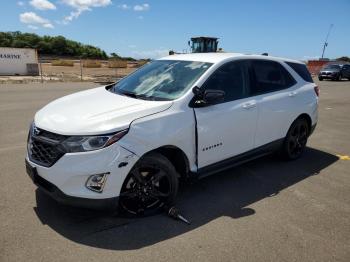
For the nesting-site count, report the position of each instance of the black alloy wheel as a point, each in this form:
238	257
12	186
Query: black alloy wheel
296	139
151	184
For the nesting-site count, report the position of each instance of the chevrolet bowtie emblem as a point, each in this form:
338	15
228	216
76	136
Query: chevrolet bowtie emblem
36	131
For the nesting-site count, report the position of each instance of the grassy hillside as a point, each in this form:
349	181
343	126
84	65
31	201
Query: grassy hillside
51	45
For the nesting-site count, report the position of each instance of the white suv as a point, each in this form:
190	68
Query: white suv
181	116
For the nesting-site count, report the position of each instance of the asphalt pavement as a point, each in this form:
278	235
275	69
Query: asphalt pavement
265	210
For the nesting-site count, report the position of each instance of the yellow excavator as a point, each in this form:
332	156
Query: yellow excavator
202	44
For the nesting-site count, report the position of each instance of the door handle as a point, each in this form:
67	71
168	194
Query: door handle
292	94
249	105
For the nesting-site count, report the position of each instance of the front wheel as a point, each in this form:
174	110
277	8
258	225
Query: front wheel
151	184
296	139
320	78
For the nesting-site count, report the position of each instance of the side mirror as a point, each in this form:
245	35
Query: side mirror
197	92
211	97
208	97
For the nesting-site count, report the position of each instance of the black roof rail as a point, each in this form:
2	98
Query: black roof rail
265	54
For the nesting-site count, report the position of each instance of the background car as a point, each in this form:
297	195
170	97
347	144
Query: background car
335	72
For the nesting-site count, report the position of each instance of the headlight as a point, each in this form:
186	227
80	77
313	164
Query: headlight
90	143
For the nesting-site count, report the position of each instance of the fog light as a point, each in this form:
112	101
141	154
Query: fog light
96	182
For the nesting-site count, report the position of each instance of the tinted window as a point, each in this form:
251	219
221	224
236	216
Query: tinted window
229	78
301	70
269	76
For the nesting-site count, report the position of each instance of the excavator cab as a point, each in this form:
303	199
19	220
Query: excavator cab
203	44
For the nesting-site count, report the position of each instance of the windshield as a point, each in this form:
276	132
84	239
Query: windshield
161	80
332	67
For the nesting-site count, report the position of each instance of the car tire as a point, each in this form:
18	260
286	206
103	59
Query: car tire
151	185
320	78
295	141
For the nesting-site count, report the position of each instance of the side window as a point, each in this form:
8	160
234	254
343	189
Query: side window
301	70
269	76
230	78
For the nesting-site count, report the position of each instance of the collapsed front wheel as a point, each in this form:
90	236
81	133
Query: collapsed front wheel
151	184
296	139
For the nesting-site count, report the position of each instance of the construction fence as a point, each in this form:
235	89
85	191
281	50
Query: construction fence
86	70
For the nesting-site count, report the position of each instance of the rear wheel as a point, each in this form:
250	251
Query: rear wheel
151	184
296	139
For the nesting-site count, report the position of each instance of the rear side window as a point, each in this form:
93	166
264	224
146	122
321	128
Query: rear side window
301	70
269	76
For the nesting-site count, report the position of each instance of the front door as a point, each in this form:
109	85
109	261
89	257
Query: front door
228	128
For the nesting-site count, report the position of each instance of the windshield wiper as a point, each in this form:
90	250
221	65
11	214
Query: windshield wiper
133	95
126	93
141	96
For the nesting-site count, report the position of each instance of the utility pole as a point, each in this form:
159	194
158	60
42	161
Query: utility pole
41	71
326	41
81	70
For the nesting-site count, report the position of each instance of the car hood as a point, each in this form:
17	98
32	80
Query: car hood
329	70
95	111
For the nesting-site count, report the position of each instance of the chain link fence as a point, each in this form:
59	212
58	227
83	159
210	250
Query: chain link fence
68	70
86	70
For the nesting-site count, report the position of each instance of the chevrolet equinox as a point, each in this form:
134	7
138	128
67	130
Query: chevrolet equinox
183	116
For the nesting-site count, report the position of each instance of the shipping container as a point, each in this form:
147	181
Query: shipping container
18	61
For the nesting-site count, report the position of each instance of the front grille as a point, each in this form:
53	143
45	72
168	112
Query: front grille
51	136
44	148
326	73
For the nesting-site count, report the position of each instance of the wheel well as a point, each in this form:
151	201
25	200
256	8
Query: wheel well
177	157
307	118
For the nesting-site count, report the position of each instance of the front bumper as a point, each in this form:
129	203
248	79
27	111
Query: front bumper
55	193
65	180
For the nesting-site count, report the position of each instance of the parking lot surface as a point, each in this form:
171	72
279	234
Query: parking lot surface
265	210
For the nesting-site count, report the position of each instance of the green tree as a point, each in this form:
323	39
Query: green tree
51	45
344	58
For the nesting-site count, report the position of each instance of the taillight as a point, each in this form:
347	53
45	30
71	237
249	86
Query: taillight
317	90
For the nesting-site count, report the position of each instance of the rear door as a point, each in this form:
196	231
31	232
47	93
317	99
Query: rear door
276	93
226	129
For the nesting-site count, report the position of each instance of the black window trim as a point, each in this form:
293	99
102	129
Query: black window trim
253	79
289	64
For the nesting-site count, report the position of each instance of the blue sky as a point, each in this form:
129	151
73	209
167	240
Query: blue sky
149	28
